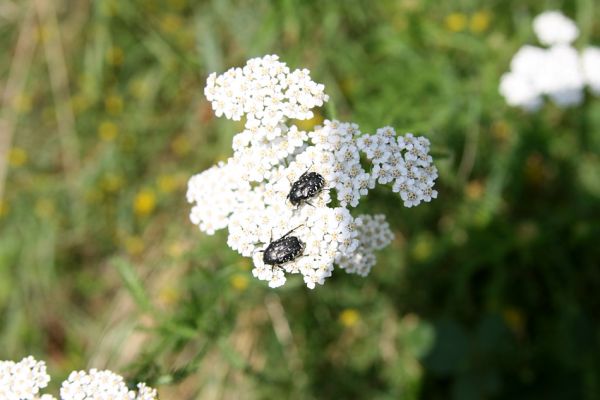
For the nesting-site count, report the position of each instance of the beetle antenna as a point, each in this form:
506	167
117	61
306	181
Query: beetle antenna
291	231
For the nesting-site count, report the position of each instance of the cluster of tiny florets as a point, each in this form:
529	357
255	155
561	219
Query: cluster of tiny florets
335	150
265	91
96	385
560	71
24	380
220	182
373	233
249	194
403	161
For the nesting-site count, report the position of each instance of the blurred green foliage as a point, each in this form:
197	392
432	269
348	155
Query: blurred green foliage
491	291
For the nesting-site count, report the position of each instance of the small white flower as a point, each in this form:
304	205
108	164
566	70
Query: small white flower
96	385
373	233
22	380
520	91
562	77
553	27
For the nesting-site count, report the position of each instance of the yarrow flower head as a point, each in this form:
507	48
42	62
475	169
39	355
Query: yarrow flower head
24	380
553	27
559	72
285	194
265	91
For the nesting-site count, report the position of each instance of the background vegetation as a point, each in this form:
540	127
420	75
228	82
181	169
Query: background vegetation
489	292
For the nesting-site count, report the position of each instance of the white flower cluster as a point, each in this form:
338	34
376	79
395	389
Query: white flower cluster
373	234
553	27
265	91
559	71
403	160
99	385
250	193
23	381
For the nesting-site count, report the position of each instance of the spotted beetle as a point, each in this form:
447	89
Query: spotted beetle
306	187
282	250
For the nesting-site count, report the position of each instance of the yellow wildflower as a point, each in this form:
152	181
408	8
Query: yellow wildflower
79	103
168	295
456	22
245	264
474	190
112	182
22	103
167	183
4	207
180	145
239	282
177	4
501	131
108	131
115	56
44	208
349	317
93	195
134	245
113	104
42	33
109	7
144	202
17	157
423	247
480	21
171	23
176	249
139	88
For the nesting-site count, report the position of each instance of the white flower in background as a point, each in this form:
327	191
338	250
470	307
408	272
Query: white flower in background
249	194
553	27
23	381
562	78
97	385
519	91
94	385
528	61
590	60
559	72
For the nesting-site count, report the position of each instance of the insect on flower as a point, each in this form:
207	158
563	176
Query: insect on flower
306	187
282	250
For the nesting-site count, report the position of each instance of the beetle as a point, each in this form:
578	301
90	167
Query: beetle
306	187
284	249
